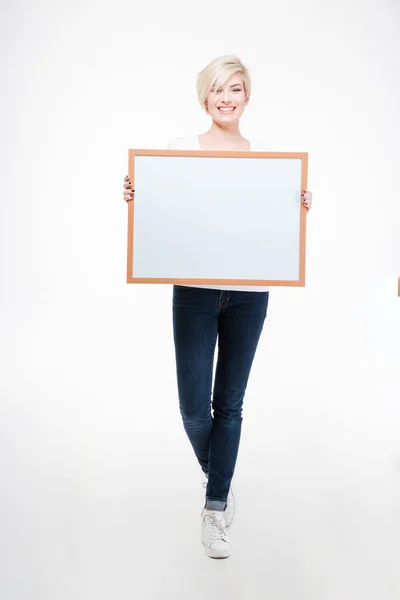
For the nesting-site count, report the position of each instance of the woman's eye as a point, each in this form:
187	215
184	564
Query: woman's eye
220	90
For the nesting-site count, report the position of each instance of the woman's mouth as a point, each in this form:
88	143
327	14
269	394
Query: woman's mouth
226	110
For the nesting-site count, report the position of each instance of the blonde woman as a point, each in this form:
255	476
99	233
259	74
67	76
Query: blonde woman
203	314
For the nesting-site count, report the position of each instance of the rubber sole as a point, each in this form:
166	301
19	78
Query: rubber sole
216	554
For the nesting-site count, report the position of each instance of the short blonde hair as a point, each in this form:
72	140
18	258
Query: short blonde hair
217	72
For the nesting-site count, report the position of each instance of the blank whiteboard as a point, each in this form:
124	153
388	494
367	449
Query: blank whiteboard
201	217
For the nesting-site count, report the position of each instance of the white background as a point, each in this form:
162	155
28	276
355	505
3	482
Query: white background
101	492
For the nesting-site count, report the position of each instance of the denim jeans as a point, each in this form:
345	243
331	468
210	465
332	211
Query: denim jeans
236	319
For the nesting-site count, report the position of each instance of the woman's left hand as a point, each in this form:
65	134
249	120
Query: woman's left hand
306	198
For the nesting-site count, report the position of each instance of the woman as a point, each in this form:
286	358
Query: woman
204	313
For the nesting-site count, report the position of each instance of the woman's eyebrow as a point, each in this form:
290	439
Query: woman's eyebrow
234	85
231	86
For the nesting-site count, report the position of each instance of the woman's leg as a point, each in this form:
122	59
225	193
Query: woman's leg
241	321
195	323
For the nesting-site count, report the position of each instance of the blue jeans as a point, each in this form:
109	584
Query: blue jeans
236	318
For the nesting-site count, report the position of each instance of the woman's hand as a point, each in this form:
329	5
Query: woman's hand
129	193
306	198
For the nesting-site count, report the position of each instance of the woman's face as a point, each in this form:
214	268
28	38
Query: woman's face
227	103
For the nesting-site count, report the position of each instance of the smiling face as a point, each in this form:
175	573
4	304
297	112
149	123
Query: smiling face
227	103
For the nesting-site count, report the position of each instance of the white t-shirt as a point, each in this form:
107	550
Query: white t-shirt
192	143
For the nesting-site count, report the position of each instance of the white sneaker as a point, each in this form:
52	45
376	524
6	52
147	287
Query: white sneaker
229	512
230	508
214	535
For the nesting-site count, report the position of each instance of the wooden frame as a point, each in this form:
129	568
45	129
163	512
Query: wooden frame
299	282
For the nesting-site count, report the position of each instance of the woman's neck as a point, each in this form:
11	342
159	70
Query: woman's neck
223	134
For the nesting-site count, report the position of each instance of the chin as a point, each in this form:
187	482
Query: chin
227	119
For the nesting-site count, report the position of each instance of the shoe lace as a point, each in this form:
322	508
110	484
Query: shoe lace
216	528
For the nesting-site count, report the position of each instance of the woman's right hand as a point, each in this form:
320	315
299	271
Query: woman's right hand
129	193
